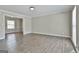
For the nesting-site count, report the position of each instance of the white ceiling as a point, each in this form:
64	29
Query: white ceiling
40	10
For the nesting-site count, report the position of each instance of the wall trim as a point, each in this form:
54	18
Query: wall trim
26	33
58	35
52	14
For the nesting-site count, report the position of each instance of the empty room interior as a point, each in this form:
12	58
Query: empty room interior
38	29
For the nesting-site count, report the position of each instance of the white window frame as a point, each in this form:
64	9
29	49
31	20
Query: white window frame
10	24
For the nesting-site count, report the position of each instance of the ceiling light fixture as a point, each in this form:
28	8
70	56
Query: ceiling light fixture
32	8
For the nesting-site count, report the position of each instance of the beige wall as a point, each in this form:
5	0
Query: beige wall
27	25
18	25
56	24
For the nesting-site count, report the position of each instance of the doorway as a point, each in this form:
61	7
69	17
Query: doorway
13	25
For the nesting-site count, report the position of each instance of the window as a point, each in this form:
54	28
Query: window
10	24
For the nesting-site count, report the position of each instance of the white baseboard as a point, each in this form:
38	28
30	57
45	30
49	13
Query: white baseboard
54	35
26	33
49	34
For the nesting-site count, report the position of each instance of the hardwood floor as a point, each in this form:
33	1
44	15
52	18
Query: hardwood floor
35	43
